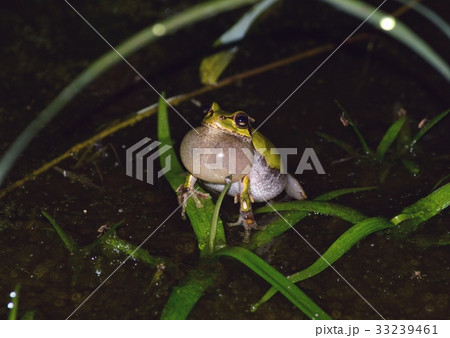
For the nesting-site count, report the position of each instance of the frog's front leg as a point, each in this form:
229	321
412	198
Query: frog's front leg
246	218
185	191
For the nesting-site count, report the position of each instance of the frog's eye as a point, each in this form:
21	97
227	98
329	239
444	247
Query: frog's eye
241	120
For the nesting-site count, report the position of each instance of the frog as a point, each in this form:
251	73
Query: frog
226	148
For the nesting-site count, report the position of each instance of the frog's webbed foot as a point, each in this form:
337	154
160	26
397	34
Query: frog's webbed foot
247	220
186	191
184	194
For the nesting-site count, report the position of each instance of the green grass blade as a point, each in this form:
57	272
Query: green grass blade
280	225
389	137
15	304
341	144
410	217
215	220
213	66
200	217
384	170
113	242
277	280
361	139
183	298
344	243
442	180
175	174
429	14
400	31
430	241
150	34
445	240
335	251
427	127
276	228
201	220
68	241
324	208
412	167
241	27
339	192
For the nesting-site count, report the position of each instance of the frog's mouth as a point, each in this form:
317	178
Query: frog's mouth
243	133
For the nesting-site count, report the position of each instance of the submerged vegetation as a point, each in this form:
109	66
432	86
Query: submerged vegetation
404	150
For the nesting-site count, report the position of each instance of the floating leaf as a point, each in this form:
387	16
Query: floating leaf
214	65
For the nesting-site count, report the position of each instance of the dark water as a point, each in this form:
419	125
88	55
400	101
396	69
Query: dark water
372	79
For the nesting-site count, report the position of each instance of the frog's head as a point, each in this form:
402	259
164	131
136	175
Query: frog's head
237	123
